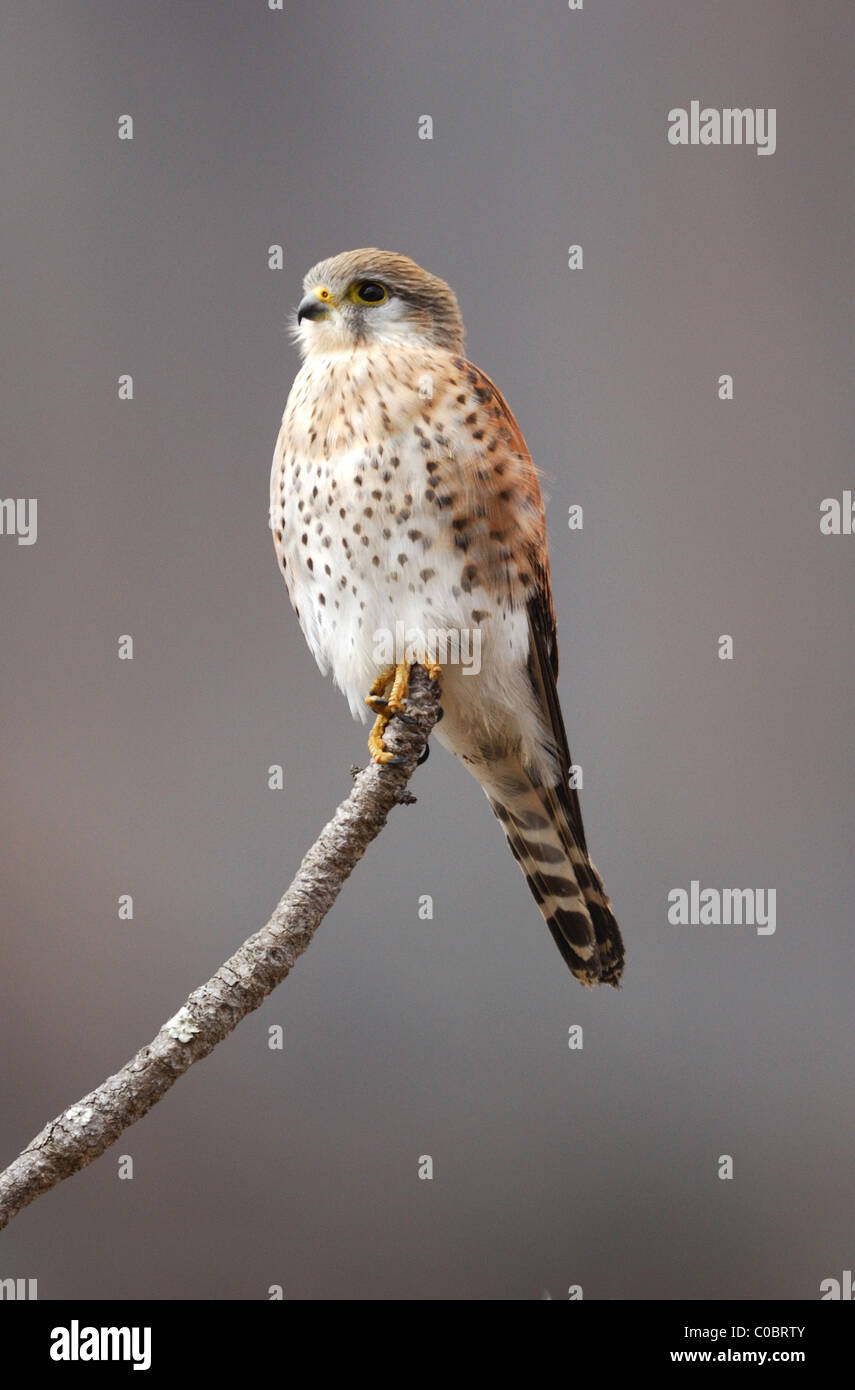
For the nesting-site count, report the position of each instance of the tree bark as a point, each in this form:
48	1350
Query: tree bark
84	1130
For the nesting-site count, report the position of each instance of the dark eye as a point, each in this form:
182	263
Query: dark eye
369	292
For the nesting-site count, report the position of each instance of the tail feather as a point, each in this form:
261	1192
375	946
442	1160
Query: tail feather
563	881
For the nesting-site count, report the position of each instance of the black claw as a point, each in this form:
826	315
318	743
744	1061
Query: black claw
440	713
407	719
394	762
425	754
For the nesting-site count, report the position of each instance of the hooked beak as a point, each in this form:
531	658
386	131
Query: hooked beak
312	307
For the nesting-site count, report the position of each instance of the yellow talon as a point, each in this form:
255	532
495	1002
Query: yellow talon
400	687
379	753
382	706
376	697
385	706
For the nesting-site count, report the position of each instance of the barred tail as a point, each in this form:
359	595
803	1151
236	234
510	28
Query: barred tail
566	886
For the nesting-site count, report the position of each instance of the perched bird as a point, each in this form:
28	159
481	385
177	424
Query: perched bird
404	499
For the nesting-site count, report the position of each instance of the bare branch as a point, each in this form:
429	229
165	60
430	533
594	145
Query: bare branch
83	1131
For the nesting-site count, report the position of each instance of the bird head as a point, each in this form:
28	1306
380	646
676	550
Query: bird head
367	297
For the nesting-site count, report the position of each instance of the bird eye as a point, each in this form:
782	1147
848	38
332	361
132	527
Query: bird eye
369	292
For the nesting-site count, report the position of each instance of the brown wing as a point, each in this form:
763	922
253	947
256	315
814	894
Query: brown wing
509	507
517	525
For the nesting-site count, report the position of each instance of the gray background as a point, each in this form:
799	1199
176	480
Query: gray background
449	1037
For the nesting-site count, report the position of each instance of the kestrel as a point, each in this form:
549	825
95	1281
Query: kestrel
404	499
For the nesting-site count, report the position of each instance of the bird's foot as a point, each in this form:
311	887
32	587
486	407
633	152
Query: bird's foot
395	680
376	697
377	748
392	705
